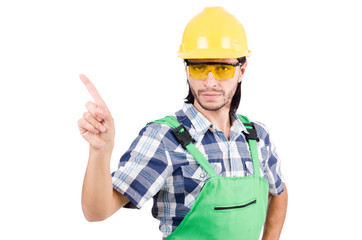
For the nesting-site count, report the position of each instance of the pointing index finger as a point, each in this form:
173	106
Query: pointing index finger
92	90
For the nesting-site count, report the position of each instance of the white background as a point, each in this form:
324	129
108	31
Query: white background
302	81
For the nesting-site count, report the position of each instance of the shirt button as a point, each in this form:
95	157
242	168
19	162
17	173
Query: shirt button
202	175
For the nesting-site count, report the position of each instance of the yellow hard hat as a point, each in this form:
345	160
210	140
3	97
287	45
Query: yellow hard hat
214	33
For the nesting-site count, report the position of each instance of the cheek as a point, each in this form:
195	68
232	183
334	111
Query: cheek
231	89
195	84
229	86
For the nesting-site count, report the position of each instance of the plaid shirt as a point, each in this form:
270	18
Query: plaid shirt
156	166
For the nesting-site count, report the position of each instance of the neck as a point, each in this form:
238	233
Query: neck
220	118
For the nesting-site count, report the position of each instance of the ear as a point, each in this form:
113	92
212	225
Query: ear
185	68
242	71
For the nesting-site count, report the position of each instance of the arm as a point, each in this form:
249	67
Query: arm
99	199
277	209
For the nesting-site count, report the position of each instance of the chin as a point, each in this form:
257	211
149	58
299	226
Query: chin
212	107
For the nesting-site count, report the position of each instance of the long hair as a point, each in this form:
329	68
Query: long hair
235	100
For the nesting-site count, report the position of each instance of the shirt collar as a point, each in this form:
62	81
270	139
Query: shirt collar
202	124
237	125
199	121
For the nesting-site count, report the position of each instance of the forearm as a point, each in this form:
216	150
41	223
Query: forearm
97	186
275	217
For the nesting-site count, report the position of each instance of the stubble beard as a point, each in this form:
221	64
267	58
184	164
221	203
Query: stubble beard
211	107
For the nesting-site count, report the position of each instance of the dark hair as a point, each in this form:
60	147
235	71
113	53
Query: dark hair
235	100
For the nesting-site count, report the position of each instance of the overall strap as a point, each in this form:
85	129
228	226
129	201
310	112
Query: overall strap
187	142
251	138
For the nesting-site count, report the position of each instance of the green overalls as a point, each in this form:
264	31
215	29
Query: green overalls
227	208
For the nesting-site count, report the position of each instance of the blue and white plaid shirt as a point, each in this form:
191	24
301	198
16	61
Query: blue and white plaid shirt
156	166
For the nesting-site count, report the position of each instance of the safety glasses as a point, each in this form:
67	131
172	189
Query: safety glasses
220	71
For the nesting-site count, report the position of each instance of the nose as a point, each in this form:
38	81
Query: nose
210	81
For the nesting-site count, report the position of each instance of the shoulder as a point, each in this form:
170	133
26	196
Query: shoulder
162	132
156	129
262	131
150	136
160	126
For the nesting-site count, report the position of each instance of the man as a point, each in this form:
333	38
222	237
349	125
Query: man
212	173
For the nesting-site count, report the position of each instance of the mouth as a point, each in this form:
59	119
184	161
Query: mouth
210	96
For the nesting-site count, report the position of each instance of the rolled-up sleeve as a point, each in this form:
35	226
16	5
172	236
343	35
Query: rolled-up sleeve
272	163
143	169
273	172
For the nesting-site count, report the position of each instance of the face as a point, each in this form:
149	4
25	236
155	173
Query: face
211	94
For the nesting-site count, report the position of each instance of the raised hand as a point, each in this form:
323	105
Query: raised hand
97	125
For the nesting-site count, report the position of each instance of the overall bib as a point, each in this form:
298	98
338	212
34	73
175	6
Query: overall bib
227	208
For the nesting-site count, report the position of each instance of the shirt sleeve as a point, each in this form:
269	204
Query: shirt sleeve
271	162
143	169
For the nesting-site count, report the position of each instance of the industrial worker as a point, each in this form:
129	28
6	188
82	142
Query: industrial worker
211	172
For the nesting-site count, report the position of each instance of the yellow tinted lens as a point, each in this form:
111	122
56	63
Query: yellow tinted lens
220	72
223	72
199	72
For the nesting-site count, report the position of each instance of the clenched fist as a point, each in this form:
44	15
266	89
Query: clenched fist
97	125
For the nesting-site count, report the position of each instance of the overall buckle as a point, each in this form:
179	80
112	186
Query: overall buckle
183	136
252	135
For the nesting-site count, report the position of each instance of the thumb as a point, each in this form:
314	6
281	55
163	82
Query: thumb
104	113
